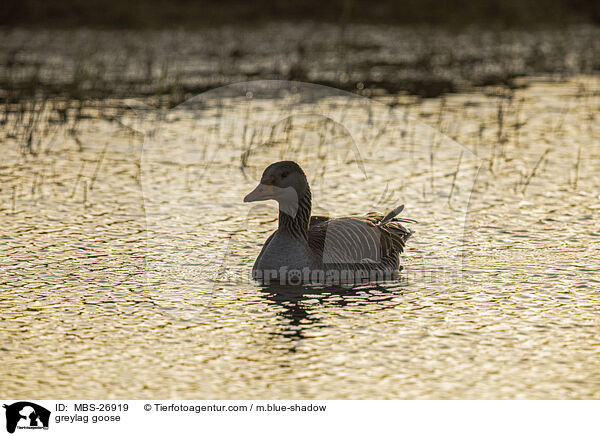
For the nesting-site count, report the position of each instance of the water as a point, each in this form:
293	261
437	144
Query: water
126	255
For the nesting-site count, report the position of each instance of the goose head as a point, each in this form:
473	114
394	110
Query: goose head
284	182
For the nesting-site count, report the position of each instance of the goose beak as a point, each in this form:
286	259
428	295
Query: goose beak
261	192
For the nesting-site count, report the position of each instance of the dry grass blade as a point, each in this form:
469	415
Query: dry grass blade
534	170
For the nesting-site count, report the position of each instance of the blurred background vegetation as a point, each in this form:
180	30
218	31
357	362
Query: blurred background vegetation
191	14
168	51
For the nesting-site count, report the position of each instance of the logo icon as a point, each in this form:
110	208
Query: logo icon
26	415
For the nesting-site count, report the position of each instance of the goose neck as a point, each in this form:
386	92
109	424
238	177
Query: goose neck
297	226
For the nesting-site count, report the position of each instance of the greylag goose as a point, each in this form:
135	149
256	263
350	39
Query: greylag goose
319	249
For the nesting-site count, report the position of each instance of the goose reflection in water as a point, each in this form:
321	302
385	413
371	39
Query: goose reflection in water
299	316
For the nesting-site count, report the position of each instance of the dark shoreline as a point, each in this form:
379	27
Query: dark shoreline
163	14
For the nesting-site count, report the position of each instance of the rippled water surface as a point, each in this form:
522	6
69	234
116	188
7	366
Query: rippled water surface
126	249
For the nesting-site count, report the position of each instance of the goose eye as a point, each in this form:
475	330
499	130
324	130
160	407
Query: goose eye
284	175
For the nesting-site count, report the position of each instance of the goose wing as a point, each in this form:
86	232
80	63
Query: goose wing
364	242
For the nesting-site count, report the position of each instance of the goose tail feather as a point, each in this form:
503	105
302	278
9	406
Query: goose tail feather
392	217
394	225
